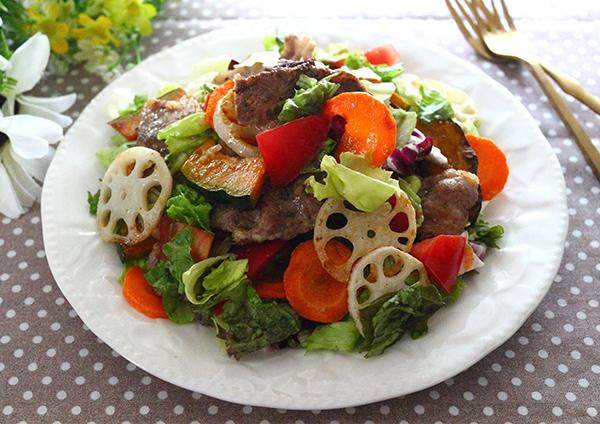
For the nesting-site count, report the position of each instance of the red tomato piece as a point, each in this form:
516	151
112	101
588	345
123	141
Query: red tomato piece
385	54
201	243
287	149
442	257
259	255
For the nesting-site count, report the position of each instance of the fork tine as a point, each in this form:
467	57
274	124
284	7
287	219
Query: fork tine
472	36
493	17
507	16
480	20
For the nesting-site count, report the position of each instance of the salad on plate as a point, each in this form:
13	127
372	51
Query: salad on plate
301	197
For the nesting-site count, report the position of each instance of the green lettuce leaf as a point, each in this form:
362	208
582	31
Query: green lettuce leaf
93	200
315	166
382	91
411	185
190	207
486	233
166	277
119	144
354	180
356	59
431	106
138	102
192	125
194	276
406	122
308	99
340	336
228	275
272	43
249	323
334	52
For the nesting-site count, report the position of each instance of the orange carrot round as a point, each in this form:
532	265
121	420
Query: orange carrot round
370	126
140	295
270	290
311	291
492	168
214	97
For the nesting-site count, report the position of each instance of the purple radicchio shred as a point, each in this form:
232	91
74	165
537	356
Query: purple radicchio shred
337	128
402	161
479	249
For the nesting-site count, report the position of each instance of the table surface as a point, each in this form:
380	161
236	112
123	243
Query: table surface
53	369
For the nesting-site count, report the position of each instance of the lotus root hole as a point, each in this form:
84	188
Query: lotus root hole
392	266
148	169
121	228
128	169
336	221
105	218
338	250
363	294
403	240
371	234
152	195
399	223
106	194
370	273
139	223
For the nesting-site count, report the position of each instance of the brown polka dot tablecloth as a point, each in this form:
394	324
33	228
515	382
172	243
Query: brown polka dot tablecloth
54	370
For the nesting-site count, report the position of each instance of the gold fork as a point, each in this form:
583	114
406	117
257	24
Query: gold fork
494	36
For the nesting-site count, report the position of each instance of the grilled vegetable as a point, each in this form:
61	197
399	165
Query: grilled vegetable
127	124
227	178
450	139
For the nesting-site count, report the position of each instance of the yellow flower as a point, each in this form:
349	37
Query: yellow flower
56	31
131	14
98	30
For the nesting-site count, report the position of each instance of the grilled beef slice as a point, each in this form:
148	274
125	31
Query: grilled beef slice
450	201
259	98
281	213
157	114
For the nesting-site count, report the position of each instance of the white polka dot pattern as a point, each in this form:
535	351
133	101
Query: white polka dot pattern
52	369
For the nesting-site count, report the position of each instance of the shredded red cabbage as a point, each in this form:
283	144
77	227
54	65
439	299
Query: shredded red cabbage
402	161
337	127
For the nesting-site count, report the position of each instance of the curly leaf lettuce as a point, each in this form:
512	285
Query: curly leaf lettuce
340	336
354	180
308	99
190	207
486	233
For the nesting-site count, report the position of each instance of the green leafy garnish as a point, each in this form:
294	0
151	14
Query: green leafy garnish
340	336
354	180
192	125
118	145
93	200
166	277
249	323
190	207
273	43
406	121
411	185
431	106
138	101
356	59
315	166
308	99
486	233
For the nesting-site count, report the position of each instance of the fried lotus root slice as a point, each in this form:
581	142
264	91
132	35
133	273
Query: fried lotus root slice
133	194
383	271
365	231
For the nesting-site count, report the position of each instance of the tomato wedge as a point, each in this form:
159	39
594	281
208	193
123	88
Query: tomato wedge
385	54
201	243
259	255
442	257
287	149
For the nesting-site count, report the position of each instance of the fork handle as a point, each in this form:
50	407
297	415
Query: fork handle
591	153
573	87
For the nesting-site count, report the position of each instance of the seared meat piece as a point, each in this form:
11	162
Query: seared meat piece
450	200
296	48
281	213
157	114
258	98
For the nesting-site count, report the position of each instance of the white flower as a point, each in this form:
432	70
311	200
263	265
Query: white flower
26	66
24	158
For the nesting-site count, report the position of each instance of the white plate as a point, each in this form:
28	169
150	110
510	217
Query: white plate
495	304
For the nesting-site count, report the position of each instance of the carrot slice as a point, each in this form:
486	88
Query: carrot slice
140	295
270	290
214	97
370	126
311	291
492	169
